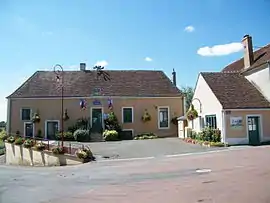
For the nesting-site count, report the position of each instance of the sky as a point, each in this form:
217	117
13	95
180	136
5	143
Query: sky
190	36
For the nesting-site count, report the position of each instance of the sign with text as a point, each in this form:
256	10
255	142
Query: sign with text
236	122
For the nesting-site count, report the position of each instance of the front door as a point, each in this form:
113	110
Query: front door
28	129
253	130
52	128
97	120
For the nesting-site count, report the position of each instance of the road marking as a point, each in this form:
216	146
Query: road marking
203	170
196	153
130	159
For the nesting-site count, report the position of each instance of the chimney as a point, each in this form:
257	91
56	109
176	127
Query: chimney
82	66
248	51
174	77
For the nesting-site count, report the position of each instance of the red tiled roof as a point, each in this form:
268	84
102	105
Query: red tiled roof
234	91
261	56
82	84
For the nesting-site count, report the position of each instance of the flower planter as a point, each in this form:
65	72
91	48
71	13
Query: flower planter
18	155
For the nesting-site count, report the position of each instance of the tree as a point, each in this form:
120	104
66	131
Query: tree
188	92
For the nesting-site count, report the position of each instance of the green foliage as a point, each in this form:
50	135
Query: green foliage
188	92
81	123
19	141
3	135
85	154
145	136
207	134
2	147
110	135
28	143
11	139
111	123
192	113
81	135
68	136
39	134
58	150
40	146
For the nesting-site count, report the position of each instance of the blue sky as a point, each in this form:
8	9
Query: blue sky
121	34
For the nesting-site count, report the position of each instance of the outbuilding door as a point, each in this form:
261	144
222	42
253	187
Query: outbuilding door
254	130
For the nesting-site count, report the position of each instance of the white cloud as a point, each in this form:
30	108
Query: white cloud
148	59
101	63
221	50
189	28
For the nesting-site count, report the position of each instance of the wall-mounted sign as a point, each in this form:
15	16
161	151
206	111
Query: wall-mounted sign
96	102
236	122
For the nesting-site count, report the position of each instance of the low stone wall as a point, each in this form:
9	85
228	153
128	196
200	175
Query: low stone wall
18	155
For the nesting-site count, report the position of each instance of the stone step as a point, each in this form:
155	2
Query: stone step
96	137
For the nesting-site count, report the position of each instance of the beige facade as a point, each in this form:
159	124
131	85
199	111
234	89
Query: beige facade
239	135
50	110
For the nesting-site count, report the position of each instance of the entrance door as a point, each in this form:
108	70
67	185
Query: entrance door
253	130
28	129
97	120
52	128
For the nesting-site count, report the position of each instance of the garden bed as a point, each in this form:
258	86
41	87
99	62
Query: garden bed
205	143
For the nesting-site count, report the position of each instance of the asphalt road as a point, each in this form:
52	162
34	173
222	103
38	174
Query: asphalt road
235	176
143	148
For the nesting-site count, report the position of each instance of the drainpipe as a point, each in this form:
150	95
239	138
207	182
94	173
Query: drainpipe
223	130
8	124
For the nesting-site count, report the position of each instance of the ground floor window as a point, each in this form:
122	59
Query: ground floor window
28	129
163	117
51	128
127	114
211	121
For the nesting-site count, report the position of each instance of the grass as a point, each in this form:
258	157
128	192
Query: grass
2	147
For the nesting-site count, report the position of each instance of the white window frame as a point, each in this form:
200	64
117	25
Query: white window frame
132	111
213	116
21	110
24	124
169	120
46	121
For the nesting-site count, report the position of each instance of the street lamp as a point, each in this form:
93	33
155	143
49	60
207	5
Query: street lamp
59	72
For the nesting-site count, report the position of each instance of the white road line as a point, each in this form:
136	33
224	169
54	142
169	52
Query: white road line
130	159
195	153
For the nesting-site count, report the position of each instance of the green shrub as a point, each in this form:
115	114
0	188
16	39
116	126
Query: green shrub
19	141
81	135
3	135
145	136
58	150
68	136
110	135
216	137
28	143
193	134
10	139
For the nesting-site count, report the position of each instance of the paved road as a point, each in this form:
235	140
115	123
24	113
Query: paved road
237	175
144	148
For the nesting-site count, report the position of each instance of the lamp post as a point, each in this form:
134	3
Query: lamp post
59	72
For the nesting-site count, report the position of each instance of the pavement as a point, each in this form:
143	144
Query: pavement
128	149
237	174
